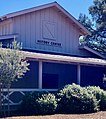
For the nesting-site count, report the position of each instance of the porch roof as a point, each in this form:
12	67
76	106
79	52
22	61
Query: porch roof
64	59
7	37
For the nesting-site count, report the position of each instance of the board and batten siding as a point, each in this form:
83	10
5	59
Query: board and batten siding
51	26
6	27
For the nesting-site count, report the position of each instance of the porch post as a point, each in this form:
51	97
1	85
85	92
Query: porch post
40	75
78	74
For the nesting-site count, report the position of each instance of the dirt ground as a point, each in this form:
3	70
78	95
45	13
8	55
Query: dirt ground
99	115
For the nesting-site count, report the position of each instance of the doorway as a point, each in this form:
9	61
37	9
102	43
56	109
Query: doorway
50	81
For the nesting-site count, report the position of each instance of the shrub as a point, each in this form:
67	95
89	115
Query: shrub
47	104
103	101
29	105
70	99
75	99
99	94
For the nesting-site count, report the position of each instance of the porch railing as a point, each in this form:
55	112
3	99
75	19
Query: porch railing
16	95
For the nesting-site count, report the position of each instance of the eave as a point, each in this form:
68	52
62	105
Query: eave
94	52
64	59
59	58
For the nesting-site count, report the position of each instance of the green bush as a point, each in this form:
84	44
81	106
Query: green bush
29	105
70	99
99	94
103	101
75	99
47	104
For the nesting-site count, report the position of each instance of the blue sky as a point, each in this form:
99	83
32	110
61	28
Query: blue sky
73	6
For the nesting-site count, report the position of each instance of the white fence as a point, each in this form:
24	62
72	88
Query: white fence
17	94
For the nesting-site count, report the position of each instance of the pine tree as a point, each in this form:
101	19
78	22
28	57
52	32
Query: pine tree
96	25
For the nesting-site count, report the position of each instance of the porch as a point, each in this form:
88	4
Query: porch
50	72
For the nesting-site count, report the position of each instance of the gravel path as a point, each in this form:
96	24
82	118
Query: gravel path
99	115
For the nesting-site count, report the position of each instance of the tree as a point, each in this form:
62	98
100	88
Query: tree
98	13
96	25
12	65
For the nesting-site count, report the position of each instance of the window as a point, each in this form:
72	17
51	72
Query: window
50	81
6	42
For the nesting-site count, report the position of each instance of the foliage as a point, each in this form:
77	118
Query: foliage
103	101
75	99
86	21
98	13
12	64
96	25
70	99
99	94
29	105
47	104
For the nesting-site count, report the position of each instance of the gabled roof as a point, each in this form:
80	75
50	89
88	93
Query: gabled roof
53	4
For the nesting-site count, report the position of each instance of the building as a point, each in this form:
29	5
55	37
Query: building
50	37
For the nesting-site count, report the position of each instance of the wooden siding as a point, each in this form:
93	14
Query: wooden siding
6	27
59	34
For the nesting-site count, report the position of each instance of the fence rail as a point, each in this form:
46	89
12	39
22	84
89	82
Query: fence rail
16	95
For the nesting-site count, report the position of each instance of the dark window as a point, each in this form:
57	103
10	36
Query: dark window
6	42
50	81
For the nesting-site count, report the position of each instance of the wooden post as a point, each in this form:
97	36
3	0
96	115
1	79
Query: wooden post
78	74
40	75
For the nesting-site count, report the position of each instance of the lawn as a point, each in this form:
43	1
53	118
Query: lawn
99	115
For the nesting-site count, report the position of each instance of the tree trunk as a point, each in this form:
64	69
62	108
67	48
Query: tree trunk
0	98
8	108
3	104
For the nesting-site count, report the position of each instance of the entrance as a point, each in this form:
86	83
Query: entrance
50	81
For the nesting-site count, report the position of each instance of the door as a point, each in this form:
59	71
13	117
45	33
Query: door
50	81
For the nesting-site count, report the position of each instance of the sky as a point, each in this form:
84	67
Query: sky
74	7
